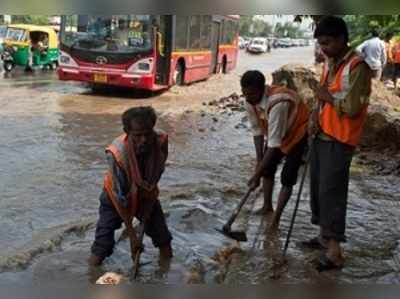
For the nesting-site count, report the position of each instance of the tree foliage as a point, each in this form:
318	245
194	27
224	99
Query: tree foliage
31	19
288	29
251	27
360	25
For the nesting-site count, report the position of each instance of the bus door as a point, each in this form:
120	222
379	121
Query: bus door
164	48
216	32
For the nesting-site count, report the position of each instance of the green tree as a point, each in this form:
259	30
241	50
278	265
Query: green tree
248	26
287	30
31	19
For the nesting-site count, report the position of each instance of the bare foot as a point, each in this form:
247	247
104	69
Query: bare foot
264	211
274	226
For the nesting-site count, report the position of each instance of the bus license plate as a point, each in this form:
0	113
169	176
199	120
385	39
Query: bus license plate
100	78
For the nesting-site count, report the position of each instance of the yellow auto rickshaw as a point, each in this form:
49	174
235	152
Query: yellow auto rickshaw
30	46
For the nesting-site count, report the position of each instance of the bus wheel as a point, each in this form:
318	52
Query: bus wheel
8	66
179	74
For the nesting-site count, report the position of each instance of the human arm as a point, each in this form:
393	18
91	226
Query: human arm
357	96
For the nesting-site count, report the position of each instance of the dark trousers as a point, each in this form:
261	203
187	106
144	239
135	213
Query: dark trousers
293	161
109	221
330	170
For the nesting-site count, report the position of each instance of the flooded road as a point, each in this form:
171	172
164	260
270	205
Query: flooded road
52	165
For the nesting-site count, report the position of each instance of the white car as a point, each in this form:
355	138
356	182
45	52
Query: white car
242	43
258	45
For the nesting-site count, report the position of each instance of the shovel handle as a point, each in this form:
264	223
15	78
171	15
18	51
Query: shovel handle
138	253
238	209
306	166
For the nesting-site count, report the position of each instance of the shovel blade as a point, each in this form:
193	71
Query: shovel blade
239	236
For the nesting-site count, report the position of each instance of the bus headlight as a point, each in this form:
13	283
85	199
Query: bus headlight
66	60
143	66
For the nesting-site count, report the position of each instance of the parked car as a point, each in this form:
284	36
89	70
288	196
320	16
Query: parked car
258	45
284	43
242	43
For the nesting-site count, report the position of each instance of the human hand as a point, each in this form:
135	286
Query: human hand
254	182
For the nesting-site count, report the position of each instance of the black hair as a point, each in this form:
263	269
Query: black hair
332	26
389	36
374	32
142	115
253	79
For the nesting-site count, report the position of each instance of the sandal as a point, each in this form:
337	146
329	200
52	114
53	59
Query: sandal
325	264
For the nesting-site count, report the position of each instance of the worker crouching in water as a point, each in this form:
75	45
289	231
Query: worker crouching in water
136	162
278	118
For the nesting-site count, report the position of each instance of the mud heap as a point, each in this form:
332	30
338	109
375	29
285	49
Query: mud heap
382	130
231	103
298	78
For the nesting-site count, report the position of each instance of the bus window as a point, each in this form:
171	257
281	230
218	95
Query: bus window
125	33
206	28
182	25
195	32
228	32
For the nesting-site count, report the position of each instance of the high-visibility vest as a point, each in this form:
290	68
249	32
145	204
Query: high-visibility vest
297	117
119	149
396	52
389	51
343	128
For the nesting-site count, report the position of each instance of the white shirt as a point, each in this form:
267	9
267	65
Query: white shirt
374	53
277	120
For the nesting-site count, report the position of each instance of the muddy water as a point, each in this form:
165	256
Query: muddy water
51	172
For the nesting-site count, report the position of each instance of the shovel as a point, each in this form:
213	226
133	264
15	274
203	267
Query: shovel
306	166
138	253
226	230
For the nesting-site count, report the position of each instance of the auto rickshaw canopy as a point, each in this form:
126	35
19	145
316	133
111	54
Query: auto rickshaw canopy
53	38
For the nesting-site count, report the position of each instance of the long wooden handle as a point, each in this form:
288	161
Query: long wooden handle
238	209
306	165
138	253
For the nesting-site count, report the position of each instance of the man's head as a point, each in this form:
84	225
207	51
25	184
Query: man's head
253	86
332	35
139	124
374	32
389	36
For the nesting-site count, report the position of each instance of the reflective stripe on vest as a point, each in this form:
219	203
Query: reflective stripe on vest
118	148
343	128
297	118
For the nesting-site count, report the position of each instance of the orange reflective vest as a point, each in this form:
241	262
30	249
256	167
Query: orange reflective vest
342	128
389	51
119	149
396	52
297	118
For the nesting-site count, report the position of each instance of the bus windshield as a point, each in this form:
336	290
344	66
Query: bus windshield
124	34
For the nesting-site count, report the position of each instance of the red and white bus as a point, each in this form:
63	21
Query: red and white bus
149	52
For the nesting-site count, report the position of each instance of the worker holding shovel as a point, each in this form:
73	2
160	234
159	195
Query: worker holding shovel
343	97
279	119
136	162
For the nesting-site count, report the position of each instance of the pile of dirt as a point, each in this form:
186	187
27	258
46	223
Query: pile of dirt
298	78
231	103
